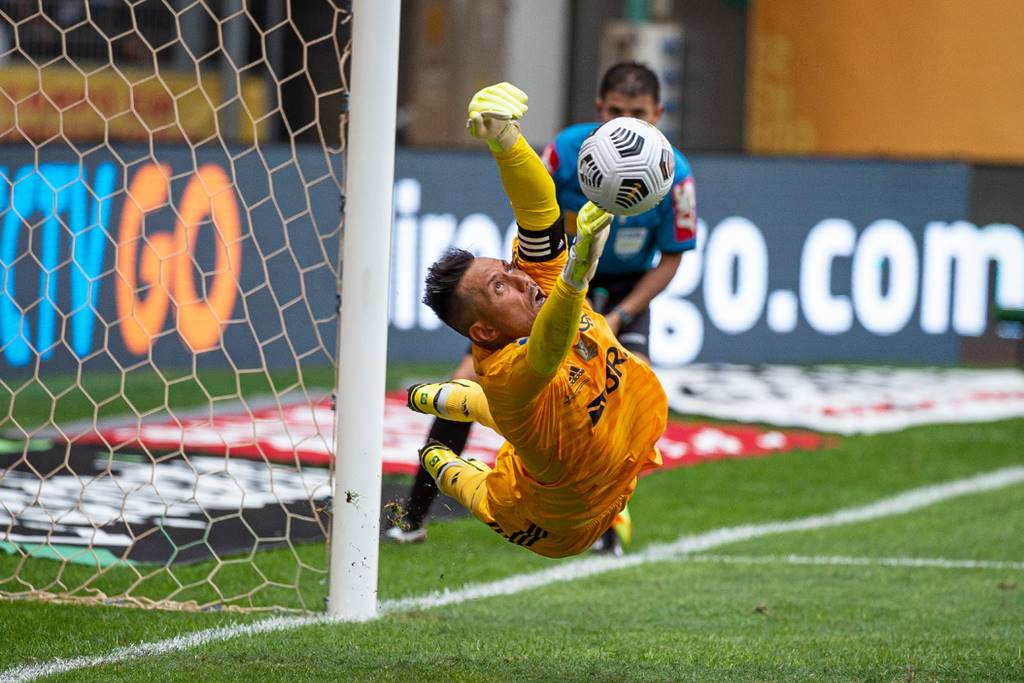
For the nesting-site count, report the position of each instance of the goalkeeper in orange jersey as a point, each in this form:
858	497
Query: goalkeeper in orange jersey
579	413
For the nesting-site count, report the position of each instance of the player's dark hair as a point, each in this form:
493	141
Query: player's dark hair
631	79
443	279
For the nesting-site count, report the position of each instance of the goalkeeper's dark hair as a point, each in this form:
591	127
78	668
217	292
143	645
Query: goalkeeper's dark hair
631	79
443	279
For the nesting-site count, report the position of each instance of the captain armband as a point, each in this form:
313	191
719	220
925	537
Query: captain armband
542	245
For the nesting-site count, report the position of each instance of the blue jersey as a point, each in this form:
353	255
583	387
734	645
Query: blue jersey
670	227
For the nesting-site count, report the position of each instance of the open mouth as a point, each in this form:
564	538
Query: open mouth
538	297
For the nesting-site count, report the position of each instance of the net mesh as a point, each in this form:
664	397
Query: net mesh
169	240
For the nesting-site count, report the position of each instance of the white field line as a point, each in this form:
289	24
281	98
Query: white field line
570	570
844	561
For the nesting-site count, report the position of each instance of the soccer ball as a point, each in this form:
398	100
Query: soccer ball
626	166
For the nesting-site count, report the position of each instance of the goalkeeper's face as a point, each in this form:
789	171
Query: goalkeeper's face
502	299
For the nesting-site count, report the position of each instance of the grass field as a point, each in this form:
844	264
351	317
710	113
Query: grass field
895	598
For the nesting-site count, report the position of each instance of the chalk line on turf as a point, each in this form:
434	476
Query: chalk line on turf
845	561
570	570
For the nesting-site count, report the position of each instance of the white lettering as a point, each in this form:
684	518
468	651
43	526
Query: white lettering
885	313
736	250
677	326
403	269
828	240
479	234
677	331
962	248
783	311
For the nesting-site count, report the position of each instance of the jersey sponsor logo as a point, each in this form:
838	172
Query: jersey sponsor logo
585	348
585	322
684	205
629	241
614	357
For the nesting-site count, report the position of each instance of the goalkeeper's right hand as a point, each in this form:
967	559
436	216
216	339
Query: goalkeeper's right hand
492	115
592	232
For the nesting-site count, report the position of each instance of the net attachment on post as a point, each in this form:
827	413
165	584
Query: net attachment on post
169	240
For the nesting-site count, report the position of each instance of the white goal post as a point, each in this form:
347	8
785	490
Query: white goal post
170	240
362	341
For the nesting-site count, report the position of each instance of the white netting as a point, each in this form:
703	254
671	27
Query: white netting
169	237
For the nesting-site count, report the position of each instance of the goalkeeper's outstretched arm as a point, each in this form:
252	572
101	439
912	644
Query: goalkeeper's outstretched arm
493	116
555	326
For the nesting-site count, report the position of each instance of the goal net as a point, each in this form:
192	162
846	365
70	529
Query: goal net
170	192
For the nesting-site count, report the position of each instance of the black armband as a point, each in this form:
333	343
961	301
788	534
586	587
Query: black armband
542	245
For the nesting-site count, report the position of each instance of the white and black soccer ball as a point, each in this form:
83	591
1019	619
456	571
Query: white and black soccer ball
626	166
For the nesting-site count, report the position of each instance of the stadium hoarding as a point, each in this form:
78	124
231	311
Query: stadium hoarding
797	261
224	258
127	104
173	256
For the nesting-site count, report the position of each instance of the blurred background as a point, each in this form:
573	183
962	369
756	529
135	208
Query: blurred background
858	164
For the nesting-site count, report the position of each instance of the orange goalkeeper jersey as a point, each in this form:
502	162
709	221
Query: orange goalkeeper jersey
575	443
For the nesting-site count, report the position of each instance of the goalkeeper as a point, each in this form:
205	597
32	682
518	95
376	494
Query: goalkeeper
626	279
580	414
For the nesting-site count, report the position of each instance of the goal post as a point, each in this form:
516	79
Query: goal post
362	341
171	238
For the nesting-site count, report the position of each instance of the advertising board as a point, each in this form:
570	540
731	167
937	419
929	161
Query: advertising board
797	261
124	256
227	259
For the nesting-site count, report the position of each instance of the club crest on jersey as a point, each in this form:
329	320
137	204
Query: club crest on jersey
585	348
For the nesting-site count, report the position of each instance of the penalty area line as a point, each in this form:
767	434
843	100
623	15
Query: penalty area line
686	547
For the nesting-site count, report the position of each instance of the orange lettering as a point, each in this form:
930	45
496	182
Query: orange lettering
200	320
167	261
141	320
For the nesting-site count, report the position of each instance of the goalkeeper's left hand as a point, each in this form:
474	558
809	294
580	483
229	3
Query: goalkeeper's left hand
492	115
592	231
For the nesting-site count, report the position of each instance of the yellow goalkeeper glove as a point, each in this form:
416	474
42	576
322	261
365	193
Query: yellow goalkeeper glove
492	115
591	233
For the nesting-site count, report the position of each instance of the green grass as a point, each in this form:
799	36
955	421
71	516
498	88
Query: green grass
673	621
679	620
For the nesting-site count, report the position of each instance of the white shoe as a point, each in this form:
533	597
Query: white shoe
608	544
397	534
